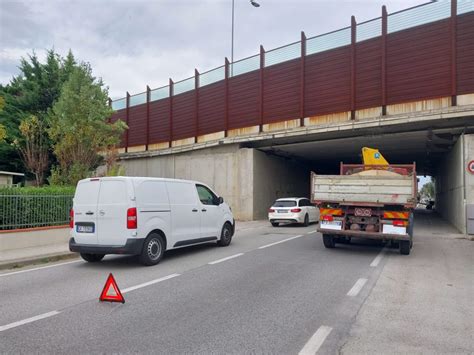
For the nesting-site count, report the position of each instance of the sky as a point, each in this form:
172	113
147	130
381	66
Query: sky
134	43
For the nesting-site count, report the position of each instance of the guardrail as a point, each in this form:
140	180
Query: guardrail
29	211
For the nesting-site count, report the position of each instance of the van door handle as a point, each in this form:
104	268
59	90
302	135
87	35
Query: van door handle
89	213
101	212
195	210
204	210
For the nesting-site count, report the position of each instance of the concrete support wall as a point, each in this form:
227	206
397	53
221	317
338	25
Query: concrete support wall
275	177
454	184
249	180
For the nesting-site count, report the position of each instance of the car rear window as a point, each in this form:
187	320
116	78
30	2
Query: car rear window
284	204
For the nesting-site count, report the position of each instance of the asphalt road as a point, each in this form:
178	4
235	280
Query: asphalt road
286	297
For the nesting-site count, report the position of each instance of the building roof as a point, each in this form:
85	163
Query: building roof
11	173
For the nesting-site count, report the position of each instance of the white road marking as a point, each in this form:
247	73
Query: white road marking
40	268
354	291
378	258
310	232
28	320
152	282
281	241
313	344
224	259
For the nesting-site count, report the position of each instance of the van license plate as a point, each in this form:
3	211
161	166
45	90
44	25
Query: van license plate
85	229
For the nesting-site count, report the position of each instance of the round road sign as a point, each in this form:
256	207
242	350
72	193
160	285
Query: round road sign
470	166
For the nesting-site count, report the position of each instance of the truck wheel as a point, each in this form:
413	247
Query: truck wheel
275	224
404	247
306	220
153	250
328	241
92	258
226	236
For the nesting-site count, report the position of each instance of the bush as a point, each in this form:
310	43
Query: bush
28	207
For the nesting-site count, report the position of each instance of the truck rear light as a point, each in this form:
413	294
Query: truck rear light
132	218
327	217
71	218
398	223
271	210
295	210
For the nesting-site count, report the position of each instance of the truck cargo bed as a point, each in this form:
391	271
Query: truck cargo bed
390	190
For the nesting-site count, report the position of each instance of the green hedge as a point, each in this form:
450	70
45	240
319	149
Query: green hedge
27	207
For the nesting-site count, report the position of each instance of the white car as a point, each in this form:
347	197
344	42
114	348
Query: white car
293	210
145	216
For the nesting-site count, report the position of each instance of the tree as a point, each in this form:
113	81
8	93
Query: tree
32	92
79	127
428	190
33	147
3	131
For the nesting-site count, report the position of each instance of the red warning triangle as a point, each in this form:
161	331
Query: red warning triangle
111	292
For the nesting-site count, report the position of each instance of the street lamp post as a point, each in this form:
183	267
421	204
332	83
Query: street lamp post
254	4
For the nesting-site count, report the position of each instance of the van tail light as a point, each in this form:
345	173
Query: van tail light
327	217
295	210
132	218
71	218
271	210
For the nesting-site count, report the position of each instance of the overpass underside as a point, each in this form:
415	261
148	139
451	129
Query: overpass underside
250	170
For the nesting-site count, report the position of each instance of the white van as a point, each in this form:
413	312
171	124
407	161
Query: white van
145	216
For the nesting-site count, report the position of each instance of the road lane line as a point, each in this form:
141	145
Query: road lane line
281	241
152	282
224	259
313	344
28	320
40	268
354	291
378	258
310	232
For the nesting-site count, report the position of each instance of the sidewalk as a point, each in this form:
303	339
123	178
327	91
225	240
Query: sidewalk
40	254
421	304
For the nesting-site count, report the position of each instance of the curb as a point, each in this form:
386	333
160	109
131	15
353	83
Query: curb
35	260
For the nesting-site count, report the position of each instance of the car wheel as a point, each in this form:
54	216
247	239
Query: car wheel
275	224
306	220
328	241
226	235
153	250
92	258
405	247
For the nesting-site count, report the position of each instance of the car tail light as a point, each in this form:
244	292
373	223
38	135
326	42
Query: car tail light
132	218
327	217
271	210
71	218
295	210
399	223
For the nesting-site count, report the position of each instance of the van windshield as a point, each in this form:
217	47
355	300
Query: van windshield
284	204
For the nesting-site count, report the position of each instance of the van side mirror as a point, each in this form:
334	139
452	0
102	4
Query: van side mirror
220	200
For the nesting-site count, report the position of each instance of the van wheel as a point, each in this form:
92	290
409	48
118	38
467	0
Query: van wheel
226	236
153	250
306	220
92	258
328	241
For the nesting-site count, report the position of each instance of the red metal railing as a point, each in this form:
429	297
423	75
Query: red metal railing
419	53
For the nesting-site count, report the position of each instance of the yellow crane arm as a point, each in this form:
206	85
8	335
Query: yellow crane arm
372	156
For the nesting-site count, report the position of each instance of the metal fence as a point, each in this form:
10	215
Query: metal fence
28	211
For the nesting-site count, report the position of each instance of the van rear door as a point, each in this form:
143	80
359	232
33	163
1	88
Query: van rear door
85	211
114	200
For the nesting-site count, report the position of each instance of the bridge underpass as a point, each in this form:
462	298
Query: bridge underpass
250	172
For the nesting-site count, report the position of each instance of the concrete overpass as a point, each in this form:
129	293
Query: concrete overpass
253	129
